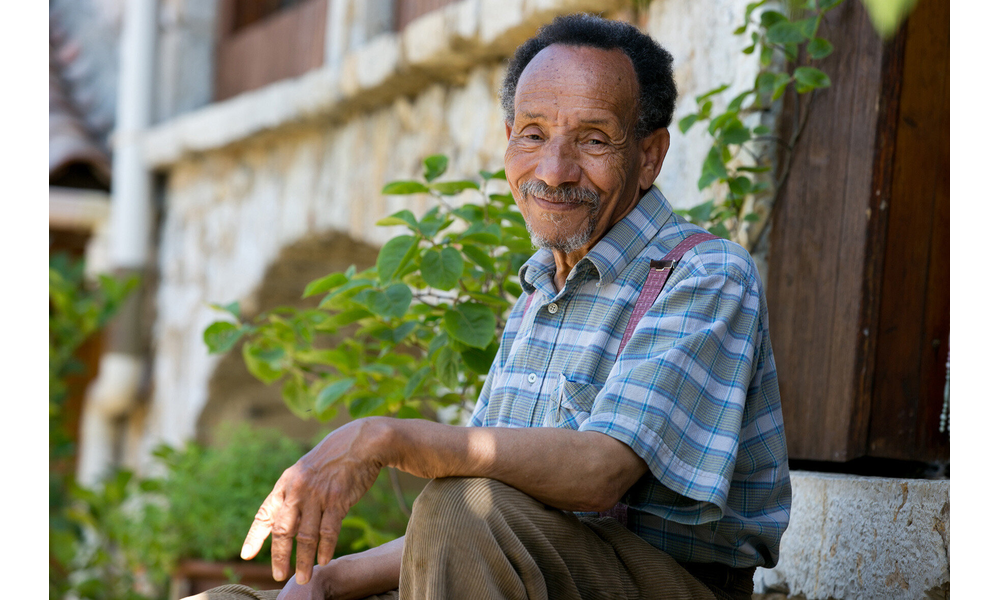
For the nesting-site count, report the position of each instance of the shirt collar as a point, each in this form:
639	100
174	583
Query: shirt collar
612	253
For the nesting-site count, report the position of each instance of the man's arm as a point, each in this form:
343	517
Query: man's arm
567	469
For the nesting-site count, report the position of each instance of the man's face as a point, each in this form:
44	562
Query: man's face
572	158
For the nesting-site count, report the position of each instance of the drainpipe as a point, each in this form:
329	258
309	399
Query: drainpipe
116	390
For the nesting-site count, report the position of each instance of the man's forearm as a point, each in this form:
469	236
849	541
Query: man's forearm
367	573
567	469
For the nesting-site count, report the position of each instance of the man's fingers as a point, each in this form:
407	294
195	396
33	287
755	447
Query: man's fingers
329	531
286	523
261	526
307	538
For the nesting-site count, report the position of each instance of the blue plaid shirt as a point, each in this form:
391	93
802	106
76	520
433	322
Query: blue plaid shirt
694	392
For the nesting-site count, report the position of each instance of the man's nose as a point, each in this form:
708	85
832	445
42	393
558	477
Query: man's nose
558	163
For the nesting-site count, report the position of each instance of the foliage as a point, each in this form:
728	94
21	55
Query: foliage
887	15
734	160
77	310
110	544
134	531
413	334
213	493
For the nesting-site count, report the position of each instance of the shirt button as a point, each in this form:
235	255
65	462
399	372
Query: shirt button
532	377
553	308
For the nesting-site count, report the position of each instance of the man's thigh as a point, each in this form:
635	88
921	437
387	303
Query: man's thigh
479	538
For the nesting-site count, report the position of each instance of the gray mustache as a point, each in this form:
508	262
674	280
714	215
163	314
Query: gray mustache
576	195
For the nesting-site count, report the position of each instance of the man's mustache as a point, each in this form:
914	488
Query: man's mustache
575	195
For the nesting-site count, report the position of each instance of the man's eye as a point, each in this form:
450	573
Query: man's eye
595	142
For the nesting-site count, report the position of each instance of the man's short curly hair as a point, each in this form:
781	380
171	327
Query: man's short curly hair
652	63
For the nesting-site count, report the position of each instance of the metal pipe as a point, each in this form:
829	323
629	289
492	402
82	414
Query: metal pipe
116	388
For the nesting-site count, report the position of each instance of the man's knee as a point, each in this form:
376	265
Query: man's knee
460	496
461	502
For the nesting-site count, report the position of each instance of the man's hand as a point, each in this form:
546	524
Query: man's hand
350	577
311	499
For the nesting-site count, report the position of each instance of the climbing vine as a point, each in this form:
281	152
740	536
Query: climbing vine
738	168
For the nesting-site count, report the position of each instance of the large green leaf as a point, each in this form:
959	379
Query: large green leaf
809	78
686	123
769	18
484	260
446	366
415	381
702	212
331	393
480	360
442	268
393	256
323	284
297	397
263	363
472	324
450	188
734	133
483	234
336	357
404	187
435	166
713	169
221	336
819	48
367	406
403	217
786	33
391	302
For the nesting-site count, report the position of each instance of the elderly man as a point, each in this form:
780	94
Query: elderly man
616	451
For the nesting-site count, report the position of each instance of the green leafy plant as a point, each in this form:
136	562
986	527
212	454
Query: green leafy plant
213	493
413	334
78	309
112	545
735	163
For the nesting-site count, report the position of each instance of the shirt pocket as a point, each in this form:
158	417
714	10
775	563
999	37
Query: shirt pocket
570	403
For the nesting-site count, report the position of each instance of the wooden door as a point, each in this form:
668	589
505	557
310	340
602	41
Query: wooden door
858	273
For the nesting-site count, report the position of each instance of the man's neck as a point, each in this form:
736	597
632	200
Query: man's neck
565	263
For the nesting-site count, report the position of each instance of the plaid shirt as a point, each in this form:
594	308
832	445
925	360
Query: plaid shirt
694	392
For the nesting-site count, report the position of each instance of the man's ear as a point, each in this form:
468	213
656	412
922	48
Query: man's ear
506	126
653	148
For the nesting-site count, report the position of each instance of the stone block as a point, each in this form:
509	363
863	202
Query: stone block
863	537
379	60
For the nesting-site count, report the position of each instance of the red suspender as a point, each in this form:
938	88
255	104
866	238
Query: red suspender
659	271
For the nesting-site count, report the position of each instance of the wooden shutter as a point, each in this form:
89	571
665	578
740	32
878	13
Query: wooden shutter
264	41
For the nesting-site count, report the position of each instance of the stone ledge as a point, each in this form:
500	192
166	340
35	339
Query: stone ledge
440	45
863	537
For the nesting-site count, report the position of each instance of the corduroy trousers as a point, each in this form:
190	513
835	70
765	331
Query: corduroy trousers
475	538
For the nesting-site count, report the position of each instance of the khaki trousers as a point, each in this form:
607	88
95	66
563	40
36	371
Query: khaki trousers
475	538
